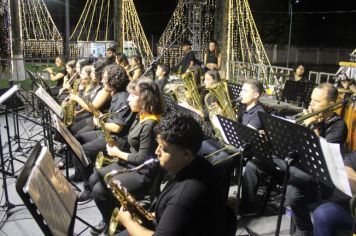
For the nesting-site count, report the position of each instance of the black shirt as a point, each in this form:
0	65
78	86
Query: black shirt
191	203
142	141
161	83
185	63
64	72
211	58
334	130
251	117
123	115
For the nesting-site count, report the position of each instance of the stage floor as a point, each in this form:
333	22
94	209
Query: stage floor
18	221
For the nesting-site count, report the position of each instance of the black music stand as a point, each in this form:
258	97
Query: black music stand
234	91
297	146
169	104
240	135
299	92
47	194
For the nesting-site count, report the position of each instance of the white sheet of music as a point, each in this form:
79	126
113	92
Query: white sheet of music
336	167
50	102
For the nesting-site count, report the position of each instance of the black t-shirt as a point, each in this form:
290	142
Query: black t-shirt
251	117
122	113
211	58
161	83
185	63
334	130
63	71
192	203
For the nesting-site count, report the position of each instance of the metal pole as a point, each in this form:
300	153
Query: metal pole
290	30
67	30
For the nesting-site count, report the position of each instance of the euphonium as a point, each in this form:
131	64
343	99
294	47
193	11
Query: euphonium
194	97
69	108
127	201
101	159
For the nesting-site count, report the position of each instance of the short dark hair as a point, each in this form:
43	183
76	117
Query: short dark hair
165	68
182	130
332	92
215	74
117	77
149	94
98	69
111	49
300	64
256	85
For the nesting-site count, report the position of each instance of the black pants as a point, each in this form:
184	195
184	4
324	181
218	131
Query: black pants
92	143
302	189
82	125
104	198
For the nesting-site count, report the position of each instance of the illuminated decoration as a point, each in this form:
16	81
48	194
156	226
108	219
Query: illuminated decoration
244	43
40	36
94	31
134	40
197	19
5	43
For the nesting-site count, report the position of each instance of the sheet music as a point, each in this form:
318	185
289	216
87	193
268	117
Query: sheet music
8	93
51	193
50	102
336	167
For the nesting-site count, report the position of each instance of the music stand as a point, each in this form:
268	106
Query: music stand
169	104
240	135
234	91
300	148
40	82
47	194
299	92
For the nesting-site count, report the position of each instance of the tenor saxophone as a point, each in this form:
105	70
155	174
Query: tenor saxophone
127	201
69	107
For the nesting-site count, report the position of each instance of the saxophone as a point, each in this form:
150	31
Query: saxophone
69	107
127	201
101	159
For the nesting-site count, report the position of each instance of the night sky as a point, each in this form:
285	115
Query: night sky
316	23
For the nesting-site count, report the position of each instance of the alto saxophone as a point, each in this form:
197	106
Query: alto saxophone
69	107
101	159
127	201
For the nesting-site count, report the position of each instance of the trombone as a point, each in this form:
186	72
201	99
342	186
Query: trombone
301	117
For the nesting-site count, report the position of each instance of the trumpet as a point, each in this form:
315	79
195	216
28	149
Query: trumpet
301	117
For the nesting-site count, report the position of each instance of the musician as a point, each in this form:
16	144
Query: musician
250	93
162	74
110	56
70	69
59	76
299	73
212	57
191	202
122	61
115	82
136	68
99	97
188	59
144	99
343	81
302	189
335	215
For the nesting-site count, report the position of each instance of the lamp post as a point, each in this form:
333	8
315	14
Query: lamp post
290	12
67	30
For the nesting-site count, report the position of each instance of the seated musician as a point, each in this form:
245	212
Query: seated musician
99	97
344	82
110	56
71	73
191	203
118	124
136	68
335	215
57	74
144	99
162	74
301	190
122	61
188	59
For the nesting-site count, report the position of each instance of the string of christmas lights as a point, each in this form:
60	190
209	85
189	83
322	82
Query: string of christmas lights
5	65
186	16
133	37
40	36
244	43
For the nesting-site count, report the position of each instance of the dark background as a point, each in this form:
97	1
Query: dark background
316	23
